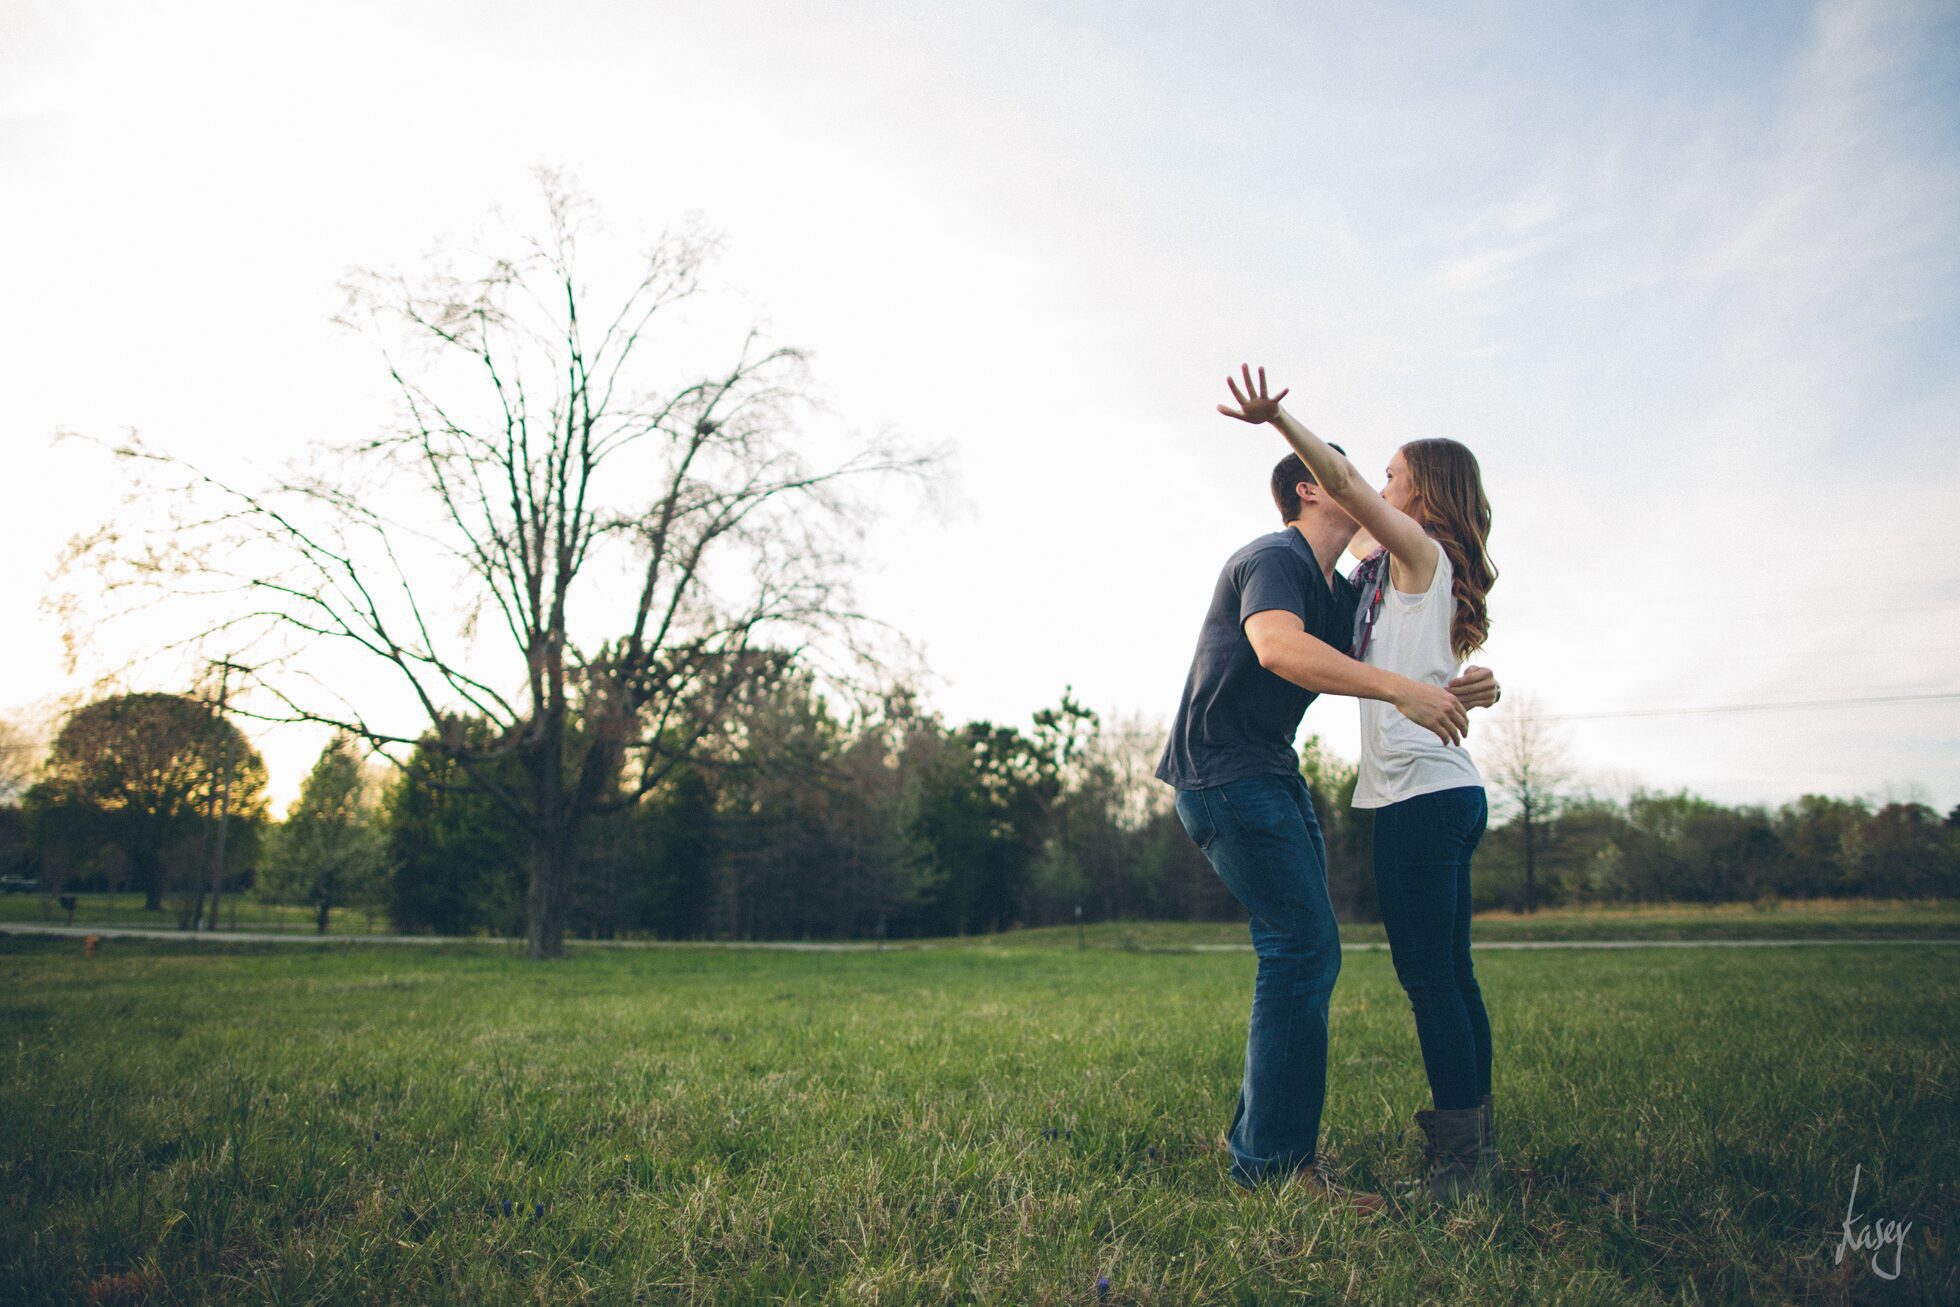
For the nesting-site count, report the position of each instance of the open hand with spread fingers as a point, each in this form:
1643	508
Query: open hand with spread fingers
1255	406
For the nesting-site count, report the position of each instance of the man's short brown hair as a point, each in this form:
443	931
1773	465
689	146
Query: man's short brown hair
1288	473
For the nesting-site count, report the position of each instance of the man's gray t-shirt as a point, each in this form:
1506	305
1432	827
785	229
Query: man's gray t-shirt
1236	718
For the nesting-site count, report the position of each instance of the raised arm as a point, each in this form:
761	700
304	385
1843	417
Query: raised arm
1409	547
1284	648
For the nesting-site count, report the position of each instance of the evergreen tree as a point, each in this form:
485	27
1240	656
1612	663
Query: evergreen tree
455	855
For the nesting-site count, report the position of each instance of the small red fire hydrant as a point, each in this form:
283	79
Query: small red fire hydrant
88	945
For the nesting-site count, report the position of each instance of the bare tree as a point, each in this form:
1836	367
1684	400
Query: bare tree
1529	764
551	540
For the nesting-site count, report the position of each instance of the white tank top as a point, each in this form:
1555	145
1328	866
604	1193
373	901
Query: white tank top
1400	759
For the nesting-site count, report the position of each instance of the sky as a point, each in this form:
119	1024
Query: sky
1686	277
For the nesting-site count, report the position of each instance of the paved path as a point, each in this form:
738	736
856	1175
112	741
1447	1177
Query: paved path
1609	943
863	946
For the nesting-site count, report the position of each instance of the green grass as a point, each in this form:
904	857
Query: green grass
1782	919
984	1124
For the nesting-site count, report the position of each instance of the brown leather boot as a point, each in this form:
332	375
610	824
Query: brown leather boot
1452	1144
1355	1200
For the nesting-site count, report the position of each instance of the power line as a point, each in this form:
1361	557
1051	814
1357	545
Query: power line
1927	697
1795	610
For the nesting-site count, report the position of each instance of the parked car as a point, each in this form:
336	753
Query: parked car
19	885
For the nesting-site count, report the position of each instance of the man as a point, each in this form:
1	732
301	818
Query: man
1272	641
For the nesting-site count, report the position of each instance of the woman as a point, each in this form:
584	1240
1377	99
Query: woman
1422	612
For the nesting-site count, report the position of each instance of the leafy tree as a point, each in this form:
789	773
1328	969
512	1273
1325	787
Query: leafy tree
1909	853
1687	848
20	757
1347	831
17	856
777	837
1191	890
1824	840
814	833
140	772
331	850
1082	863
981	814
1015	827
1595	836
881	859
676	836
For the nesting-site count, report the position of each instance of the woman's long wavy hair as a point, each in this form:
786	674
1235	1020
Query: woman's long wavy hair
1449	501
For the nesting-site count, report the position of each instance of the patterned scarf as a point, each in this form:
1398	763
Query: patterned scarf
1370	579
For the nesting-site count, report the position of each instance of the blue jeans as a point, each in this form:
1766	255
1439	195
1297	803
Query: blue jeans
1264	842
1422	875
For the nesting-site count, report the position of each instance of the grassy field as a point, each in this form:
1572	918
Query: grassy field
1780	919
985	1124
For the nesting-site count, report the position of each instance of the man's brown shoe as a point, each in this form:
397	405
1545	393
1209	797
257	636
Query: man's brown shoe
1355	1200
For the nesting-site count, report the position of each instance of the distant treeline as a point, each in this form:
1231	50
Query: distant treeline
801	824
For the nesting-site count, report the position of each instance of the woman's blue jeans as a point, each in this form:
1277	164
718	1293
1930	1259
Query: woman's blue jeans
1262	838
1423	847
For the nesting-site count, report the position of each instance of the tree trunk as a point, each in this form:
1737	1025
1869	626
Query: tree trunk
149	874
551	879
609	895
1530	865
320	918
554	831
